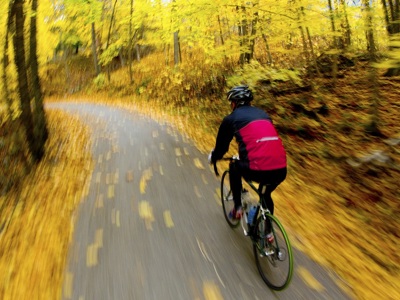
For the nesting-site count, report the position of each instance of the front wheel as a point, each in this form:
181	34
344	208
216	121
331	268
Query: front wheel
227	200
274	257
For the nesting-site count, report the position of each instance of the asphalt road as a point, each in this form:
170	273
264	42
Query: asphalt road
152	226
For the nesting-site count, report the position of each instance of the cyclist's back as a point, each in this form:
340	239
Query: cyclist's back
260	147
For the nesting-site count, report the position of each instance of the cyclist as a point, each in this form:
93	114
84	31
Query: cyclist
262	156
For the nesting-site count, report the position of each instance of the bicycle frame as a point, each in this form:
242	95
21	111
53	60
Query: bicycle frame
261	202
264	211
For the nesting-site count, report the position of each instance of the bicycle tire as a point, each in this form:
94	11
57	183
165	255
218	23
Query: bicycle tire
227	200
274	260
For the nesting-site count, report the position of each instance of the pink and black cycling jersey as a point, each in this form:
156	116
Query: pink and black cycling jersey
260	147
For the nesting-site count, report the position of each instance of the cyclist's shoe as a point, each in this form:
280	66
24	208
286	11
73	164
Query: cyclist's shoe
236	214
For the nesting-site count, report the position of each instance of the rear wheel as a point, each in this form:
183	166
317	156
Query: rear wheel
274	259
227	200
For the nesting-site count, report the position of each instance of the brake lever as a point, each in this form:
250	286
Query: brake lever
216	169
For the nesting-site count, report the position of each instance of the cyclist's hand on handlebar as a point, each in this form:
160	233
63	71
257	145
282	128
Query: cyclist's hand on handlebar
210	157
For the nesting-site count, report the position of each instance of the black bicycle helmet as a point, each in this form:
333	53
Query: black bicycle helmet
240	94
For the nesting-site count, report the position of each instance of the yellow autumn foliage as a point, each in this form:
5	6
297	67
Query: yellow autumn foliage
35	240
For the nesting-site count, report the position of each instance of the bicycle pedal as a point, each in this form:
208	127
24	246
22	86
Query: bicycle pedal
267	252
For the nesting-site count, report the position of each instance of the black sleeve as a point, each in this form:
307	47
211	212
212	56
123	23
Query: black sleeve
224	138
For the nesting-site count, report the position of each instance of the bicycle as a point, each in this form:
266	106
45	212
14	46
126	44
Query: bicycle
270	251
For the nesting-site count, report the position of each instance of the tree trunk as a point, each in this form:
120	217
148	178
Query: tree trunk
5	63
392	18
270	62
137	48
221	37
220	31
94	50
14	133
373	126
300	21
313	56
335	43
252	36
303	38
130	48
109	39
369	33
177	48
243	33
310	44
346	37
40	129
35	148
177	52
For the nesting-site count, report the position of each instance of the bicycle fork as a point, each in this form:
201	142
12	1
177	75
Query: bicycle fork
244	222
266	248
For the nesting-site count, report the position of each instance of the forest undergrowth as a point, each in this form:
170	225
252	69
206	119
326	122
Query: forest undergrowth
340	199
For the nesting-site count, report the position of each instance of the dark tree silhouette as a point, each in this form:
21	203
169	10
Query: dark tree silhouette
392	16
40	126
35	134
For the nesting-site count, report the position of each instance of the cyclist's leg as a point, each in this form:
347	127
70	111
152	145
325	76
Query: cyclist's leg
268	202
274	177
271	178
235	178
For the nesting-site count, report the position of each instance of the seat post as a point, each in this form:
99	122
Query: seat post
262	188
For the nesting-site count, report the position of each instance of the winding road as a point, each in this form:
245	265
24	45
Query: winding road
152	226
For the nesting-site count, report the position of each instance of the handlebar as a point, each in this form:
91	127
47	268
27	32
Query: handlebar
232	158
